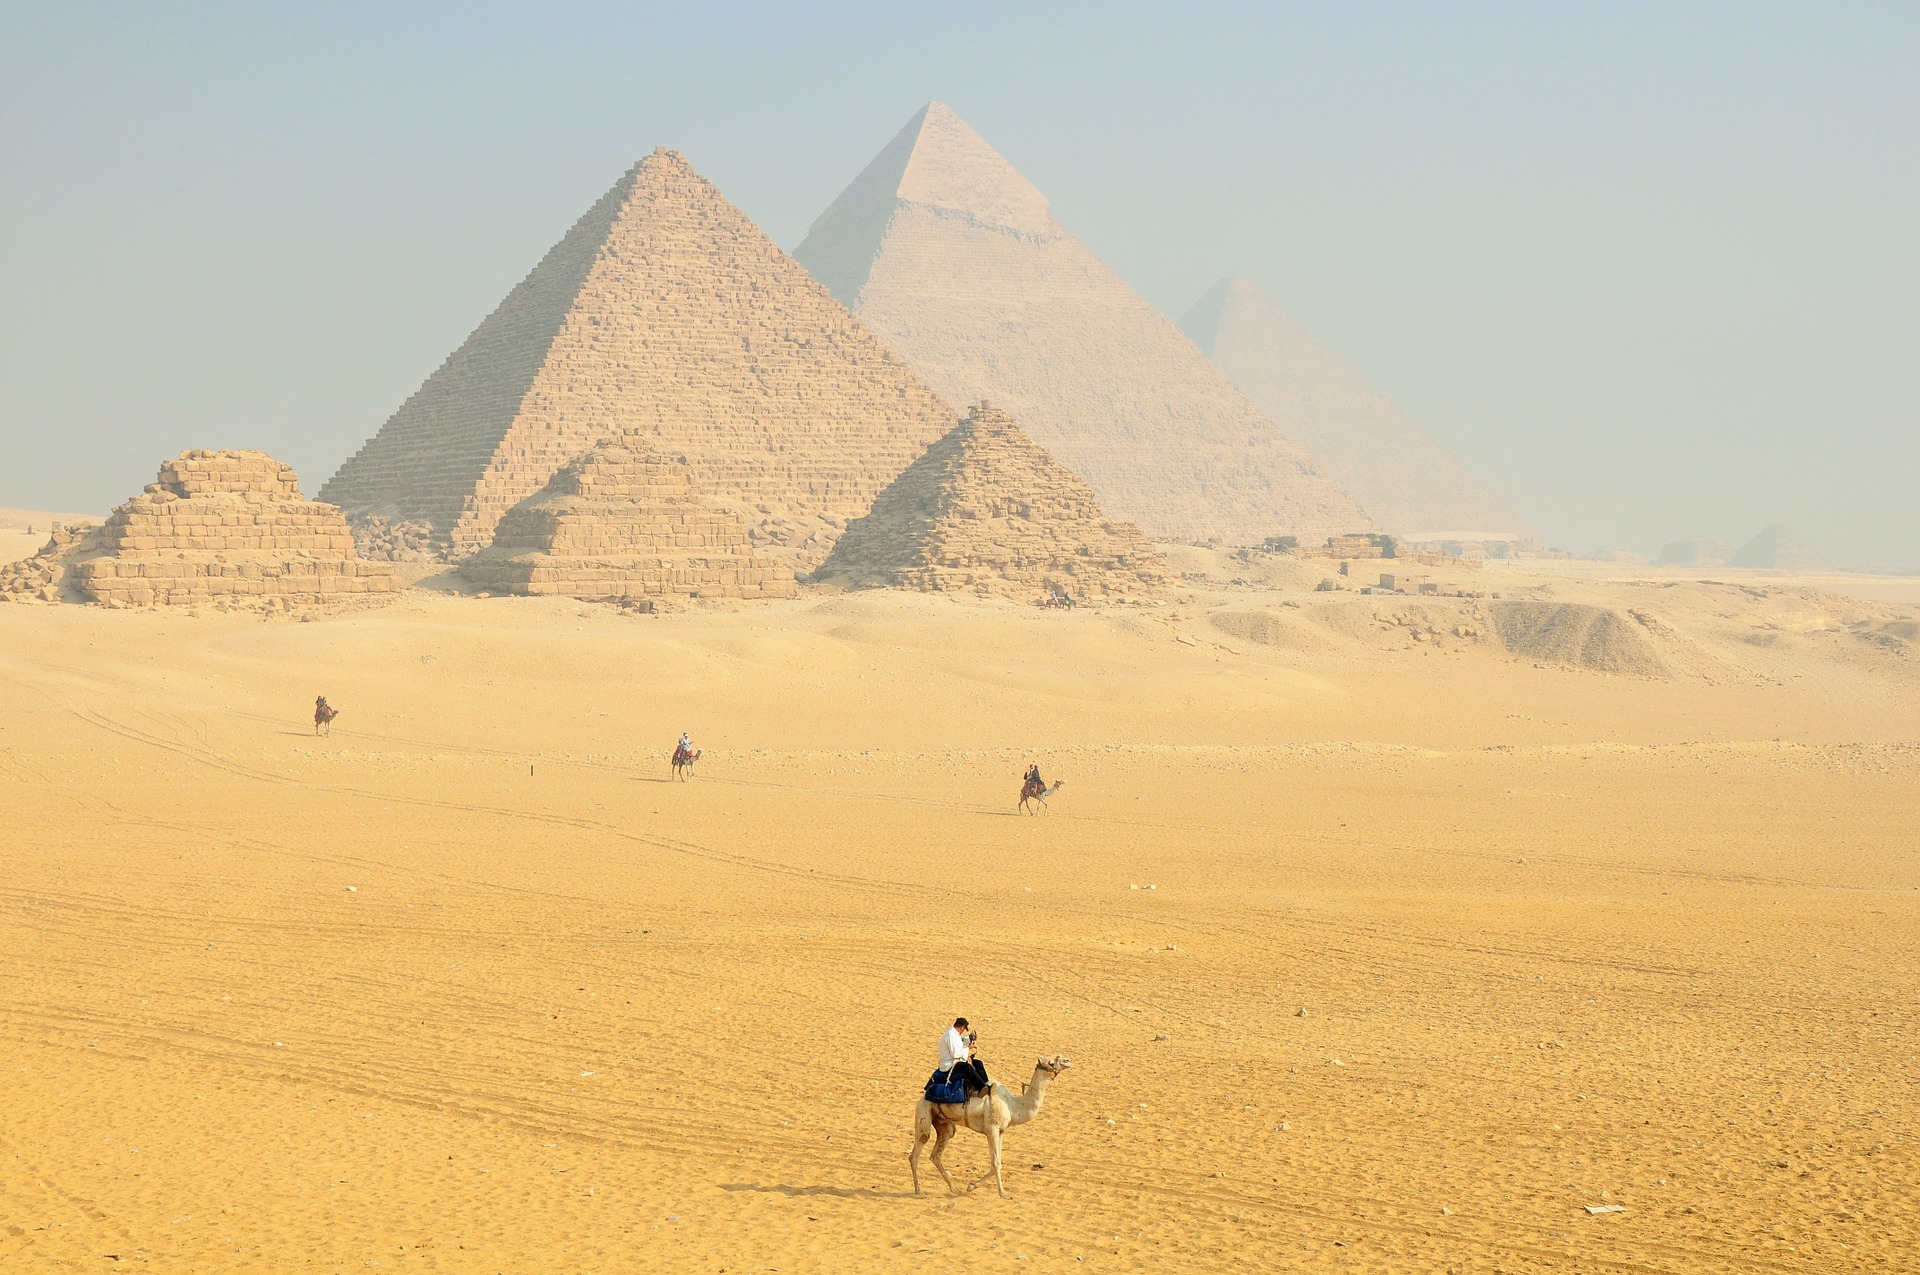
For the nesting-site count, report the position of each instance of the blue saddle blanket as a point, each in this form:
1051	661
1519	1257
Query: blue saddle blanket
947	1086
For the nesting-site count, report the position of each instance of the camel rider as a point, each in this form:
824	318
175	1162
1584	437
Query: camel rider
956	1050
1033	777
686	745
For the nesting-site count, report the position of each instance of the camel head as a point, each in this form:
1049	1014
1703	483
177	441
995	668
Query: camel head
1053	1066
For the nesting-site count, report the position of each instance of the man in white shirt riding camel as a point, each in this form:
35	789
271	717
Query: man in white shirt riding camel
956	1050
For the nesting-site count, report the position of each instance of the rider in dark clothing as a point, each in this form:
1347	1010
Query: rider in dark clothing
1033	776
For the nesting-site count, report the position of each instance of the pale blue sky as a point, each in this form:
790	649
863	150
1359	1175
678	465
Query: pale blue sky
1651	269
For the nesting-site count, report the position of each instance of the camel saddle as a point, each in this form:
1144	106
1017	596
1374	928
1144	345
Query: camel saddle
947	1086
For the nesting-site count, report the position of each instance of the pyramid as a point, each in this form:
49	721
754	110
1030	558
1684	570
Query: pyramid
624	521
222	524
1694	551
987	509
663	311
957	262
1778	549
1414	486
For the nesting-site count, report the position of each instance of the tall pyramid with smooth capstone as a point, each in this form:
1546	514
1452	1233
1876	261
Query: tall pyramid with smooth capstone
954	258
1413	485
664	313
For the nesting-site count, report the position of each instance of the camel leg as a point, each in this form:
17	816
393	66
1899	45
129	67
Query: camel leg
941	1132
922	1131
993	1173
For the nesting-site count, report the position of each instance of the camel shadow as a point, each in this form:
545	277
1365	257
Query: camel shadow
795	1192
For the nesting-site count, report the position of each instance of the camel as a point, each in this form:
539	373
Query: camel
1032	792
683	760
323	715
992	1112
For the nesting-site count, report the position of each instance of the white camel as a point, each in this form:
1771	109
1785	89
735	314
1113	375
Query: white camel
992	1112
1032	792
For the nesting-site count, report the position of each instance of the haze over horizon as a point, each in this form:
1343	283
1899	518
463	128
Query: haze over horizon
1648	275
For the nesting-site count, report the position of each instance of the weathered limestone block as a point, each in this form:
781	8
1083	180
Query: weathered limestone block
225	524
987	509
622	520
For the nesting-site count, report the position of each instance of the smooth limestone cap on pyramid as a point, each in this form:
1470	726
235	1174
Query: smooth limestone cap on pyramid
956	261
988	510
625	521
1414	486
226	525
666	312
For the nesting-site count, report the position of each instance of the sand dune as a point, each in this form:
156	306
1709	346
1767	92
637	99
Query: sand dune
1376	946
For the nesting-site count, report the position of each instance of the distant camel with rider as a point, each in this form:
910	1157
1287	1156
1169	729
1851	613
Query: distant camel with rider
685	756
1034	790
323	715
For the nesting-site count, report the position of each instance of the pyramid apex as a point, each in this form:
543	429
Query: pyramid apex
952	168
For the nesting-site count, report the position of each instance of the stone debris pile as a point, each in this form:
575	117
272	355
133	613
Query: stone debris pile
225	525
987	509
626	521
40	577
665	311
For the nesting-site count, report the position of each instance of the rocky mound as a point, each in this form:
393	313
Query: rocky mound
1591	637
1695	551
225	525
1778	549
623	521
988	509
43	575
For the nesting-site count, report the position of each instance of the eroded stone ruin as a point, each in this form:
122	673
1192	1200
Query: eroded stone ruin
988	510
224	525
664	311
957	262
625	521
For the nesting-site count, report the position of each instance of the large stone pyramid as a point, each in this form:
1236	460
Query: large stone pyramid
1414	486
622	521
225	525
954	259
1778	549
988	510
663	311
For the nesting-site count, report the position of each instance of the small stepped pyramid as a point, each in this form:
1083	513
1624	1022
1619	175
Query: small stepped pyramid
625	521
225	525
988	509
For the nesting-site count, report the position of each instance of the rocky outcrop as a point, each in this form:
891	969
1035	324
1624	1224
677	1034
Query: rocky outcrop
225	525
665	312
623	521
988	510
957	262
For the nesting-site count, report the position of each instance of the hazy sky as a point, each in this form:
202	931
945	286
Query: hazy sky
1652	270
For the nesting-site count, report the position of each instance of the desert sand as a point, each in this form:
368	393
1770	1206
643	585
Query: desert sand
1376	943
